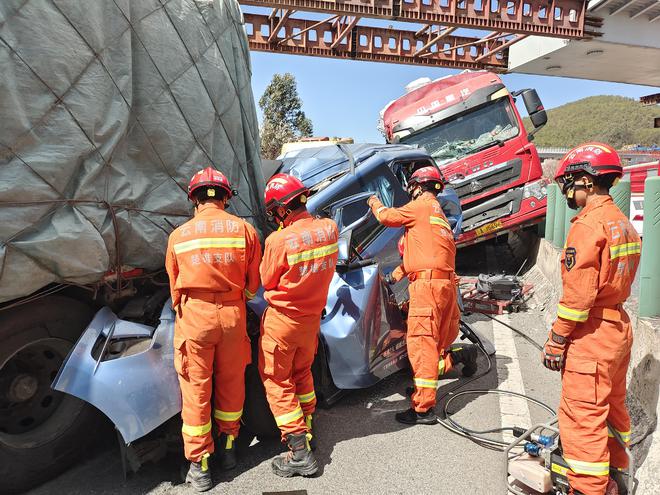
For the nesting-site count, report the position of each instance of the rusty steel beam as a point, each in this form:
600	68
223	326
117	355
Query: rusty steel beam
317	38
653	99
558	18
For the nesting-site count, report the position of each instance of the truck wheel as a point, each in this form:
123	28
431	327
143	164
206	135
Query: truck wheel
42	431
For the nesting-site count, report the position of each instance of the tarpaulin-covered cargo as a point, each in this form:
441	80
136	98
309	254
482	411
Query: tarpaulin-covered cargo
107	107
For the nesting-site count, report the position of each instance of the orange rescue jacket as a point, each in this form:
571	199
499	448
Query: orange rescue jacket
298	264
599	264
428	243
213	252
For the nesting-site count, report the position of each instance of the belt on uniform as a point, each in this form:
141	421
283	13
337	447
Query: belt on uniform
430	275
212	296
609	313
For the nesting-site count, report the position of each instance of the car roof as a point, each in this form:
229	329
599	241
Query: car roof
313	165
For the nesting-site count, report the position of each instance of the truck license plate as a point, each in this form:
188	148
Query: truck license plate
488	228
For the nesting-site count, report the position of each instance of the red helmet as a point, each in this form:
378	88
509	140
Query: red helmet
593	158
210	177
427	174
400	246
281	189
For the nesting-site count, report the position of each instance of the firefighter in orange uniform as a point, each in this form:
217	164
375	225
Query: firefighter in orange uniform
213	265
298	265
591	338
429	254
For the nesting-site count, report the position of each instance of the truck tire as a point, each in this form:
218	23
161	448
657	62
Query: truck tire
42	431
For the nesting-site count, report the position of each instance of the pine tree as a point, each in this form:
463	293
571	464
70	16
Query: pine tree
283	118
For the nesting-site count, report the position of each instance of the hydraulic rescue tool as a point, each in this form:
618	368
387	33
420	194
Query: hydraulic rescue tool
535	464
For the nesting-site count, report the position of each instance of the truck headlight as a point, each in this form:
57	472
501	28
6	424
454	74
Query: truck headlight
537	189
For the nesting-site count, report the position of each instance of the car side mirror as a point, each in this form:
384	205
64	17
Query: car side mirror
344	250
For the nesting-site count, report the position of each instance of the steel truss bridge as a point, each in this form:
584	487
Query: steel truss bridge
441	41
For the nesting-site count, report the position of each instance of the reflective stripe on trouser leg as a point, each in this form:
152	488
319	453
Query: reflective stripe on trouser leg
285	358
618	417
302	371
232	354
427	327
307	402
196	396
583	431
423	355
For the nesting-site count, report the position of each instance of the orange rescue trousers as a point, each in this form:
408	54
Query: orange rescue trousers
211	351
432	327
593	395
286	353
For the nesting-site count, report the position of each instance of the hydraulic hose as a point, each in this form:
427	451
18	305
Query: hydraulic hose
477	435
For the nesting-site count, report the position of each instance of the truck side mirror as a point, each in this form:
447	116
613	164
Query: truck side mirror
534	108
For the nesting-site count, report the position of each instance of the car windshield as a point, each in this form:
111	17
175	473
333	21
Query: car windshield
469	132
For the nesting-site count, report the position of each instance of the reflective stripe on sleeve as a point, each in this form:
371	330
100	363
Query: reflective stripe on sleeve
621	250
287	418
589	468
227	415
196	431
306	398
312	254
440	221
424	383
209	243
572	314
249	295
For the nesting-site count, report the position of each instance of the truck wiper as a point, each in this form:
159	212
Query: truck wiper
489	144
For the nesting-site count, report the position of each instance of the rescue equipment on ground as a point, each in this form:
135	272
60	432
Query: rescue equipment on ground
535	462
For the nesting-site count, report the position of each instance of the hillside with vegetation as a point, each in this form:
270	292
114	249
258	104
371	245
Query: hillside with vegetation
615	120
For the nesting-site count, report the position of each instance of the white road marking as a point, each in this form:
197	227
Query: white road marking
514	410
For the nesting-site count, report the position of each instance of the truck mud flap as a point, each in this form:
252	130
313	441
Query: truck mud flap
135	386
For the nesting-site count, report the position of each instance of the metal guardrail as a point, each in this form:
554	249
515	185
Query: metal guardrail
558	217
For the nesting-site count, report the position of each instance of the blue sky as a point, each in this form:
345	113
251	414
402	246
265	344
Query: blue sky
344	98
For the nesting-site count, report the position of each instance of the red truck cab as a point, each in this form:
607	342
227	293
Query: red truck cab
469	123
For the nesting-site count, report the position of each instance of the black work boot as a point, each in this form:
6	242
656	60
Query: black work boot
226	450
310	436
199	475
466	354
299	460
412	417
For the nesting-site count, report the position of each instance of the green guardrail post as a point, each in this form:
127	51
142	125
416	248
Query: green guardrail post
550	211
568	216
649	290
558	232
621	196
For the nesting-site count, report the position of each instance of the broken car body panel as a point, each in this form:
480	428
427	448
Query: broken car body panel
138	392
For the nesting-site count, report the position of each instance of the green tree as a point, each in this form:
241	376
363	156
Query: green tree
283	120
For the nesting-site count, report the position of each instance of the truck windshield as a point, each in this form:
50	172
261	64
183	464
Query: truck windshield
460	136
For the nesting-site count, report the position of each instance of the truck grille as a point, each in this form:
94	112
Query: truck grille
488	179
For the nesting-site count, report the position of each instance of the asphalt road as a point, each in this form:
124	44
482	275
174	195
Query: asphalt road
362	450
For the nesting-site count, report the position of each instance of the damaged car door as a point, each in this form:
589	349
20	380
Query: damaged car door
363	324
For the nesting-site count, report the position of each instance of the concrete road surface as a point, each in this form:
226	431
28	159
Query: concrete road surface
361	449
